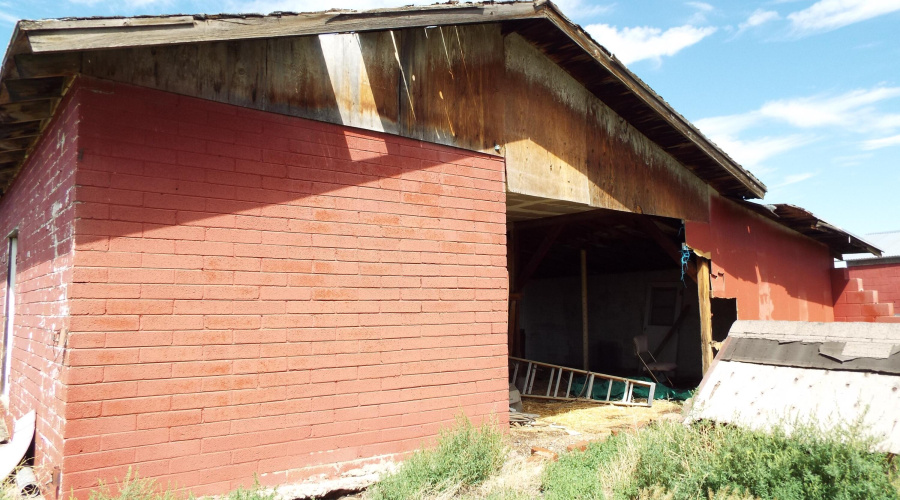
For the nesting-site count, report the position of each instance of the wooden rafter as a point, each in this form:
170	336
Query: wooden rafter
538	257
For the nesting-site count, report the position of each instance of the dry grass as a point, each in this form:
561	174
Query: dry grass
590	418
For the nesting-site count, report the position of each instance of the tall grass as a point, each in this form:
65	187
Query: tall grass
672	461
464	456
133	487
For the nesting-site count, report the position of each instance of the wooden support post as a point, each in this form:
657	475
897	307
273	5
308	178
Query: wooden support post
703	292
584	310
512	325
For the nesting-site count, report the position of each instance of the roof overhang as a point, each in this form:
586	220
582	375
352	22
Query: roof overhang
806	223
43	55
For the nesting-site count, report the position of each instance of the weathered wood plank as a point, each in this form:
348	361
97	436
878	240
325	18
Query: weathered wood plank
11	157
20	130
44	65
49	36
15	144
656	105
26	111
35	88
453	79
562	142
703	294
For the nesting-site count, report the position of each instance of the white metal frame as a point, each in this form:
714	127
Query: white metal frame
555	380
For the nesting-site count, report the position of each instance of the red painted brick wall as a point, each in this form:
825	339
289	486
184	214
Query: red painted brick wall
855	300
39	204
773	272
883	278
260	294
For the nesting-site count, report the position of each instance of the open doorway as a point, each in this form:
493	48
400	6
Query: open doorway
627	269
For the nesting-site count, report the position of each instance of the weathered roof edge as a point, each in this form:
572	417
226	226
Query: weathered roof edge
60	36
808	224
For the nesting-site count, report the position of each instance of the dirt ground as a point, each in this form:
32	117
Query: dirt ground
559	425
562	424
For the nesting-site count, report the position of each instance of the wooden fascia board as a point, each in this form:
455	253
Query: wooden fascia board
754	186
54	36
59	36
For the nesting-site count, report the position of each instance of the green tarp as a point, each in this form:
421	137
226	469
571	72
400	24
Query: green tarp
618	390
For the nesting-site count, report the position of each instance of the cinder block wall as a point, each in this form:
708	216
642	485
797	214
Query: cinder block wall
260	294
856	300
884	278
39	205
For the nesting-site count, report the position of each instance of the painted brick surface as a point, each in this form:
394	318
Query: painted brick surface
260	294
39	204
856	301
883	278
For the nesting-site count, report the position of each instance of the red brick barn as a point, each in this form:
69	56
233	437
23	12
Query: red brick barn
867	288
294	244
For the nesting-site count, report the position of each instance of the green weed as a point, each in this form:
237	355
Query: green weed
676	462
464	456
132	487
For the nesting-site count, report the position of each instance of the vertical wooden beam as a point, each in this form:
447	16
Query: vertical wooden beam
515	343
584	310
703	291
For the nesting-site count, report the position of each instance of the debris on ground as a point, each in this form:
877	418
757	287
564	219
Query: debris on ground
517	418
350	484
543	453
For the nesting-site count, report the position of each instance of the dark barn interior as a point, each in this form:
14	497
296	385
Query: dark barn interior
626	268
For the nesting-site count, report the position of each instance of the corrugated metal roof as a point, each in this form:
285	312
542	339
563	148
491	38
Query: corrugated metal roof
826	374
888	242
840	241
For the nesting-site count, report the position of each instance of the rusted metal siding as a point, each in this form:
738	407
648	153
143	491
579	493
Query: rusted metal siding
472	87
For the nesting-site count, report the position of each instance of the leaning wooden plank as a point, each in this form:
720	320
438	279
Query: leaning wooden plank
669	334
69	36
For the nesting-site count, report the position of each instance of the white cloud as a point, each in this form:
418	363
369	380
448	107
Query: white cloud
795	178
751	153
827	15
705	7
8	18
581	9
883	142
269	6
701	10
644	42
851	112
758	18
131	4
850	109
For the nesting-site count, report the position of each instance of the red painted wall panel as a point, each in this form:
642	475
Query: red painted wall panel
260	294
773	272
39	204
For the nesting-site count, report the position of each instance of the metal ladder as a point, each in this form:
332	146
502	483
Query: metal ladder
556	378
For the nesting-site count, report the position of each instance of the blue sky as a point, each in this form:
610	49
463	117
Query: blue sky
803	93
